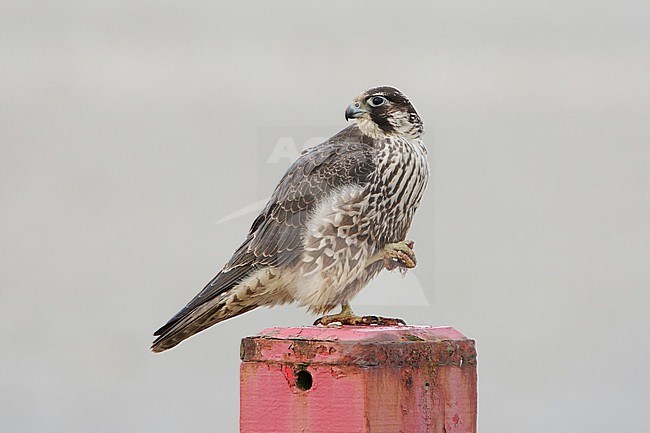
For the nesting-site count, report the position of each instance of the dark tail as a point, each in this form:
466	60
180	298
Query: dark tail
187	323
217	302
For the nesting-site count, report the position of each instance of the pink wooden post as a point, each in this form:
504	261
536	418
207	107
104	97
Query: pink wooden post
366	379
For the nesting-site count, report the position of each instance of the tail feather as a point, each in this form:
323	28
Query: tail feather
195	321
210	306
231	293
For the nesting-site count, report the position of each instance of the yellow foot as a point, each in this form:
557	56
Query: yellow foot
360	321
399	255
347	317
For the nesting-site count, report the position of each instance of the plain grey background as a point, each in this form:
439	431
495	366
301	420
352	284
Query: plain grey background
132	131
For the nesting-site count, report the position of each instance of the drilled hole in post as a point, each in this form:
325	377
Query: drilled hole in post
303	380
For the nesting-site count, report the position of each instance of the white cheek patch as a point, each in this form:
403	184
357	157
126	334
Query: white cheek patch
368	127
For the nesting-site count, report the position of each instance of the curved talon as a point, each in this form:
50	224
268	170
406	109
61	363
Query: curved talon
360	321
381	321
325	321
399	255
345	315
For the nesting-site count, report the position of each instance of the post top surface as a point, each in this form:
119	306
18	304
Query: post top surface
360	345
363	333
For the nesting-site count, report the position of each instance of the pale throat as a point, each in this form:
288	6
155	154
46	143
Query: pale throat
405	129
369	128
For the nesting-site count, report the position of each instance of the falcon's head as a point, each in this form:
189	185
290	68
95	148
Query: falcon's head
385	111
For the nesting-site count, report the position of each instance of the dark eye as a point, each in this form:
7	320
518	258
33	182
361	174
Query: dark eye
376	101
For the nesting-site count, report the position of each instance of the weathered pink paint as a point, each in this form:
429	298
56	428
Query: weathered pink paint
366	379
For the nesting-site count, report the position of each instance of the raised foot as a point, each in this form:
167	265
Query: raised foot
359	320
399	255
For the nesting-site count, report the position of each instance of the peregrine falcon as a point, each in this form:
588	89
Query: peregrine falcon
338	216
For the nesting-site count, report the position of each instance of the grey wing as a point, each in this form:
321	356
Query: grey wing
275	238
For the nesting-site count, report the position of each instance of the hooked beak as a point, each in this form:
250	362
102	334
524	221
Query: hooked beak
354	110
